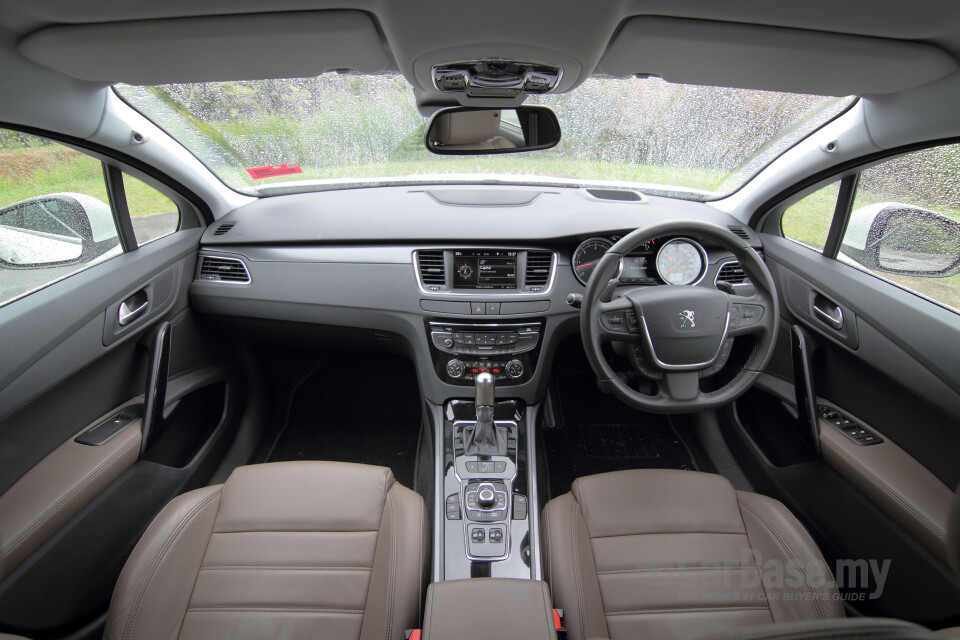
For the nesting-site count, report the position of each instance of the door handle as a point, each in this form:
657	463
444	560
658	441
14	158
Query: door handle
136	306
828	312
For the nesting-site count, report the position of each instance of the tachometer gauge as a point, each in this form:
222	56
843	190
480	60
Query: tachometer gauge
681	261
586	257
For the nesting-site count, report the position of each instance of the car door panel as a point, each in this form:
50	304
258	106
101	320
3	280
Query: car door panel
71	365
893	480
891	367
59	486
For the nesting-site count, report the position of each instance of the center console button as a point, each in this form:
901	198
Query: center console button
493	308
467	338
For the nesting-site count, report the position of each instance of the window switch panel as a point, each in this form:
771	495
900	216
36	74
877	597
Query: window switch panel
848	427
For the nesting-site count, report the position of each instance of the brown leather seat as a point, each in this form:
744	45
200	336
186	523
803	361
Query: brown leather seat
284	550
678	554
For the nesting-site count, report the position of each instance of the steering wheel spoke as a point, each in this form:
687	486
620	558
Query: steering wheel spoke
680	386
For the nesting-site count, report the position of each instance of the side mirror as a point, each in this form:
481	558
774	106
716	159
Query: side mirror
483	130
55	230
899	238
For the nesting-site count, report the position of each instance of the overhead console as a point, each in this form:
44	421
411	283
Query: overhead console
496	78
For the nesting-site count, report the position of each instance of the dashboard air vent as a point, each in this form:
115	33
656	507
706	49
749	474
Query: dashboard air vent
538	268
731	272
223	228
739	231
223	269
430	264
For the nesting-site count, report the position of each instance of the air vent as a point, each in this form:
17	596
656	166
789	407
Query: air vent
740	231
223	228
223	269
430	264
539	264
732	273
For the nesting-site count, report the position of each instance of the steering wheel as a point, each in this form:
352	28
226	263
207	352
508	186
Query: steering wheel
684	332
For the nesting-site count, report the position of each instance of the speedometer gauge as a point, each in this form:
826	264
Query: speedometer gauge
587	256
681	261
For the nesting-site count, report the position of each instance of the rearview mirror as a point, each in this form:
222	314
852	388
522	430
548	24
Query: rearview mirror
899	238
54	230
483	130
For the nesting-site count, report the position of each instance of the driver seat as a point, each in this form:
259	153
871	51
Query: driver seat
667	554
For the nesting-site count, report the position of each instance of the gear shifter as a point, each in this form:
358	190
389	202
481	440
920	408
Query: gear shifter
484	438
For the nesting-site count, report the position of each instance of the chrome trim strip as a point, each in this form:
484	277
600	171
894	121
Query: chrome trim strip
684	367
467	294
439	473
533	500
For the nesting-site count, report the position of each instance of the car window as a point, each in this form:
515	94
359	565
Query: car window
55	219
905	223
152	214
807	221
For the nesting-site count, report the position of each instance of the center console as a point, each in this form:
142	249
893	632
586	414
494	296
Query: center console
507	350
486	521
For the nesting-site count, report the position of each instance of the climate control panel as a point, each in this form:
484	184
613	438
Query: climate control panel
507	351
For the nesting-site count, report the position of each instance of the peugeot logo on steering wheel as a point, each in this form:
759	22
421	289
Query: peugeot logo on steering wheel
687	320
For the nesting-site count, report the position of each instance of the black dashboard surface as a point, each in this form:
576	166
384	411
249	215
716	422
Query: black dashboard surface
493	214
345	261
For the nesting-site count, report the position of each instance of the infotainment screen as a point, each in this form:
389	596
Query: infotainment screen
484	269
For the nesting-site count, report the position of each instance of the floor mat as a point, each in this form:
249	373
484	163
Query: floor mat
348	410
598	433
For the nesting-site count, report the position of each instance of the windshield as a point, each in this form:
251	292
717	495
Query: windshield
266	137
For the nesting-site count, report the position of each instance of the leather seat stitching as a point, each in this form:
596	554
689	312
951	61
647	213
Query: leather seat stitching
297	531
643	612
260	609
581	613
267	567
929	524
671	533
392	594
545	595
55	508
145	585
776	534
421	557
672	569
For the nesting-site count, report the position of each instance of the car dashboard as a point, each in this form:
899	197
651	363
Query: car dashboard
461	280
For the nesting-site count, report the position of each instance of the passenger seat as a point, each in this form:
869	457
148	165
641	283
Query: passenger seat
284	550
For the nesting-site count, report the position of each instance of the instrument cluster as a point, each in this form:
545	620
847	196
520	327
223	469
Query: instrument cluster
674	261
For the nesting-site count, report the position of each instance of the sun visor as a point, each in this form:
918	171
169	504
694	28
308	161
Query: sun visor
770	58
244	47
